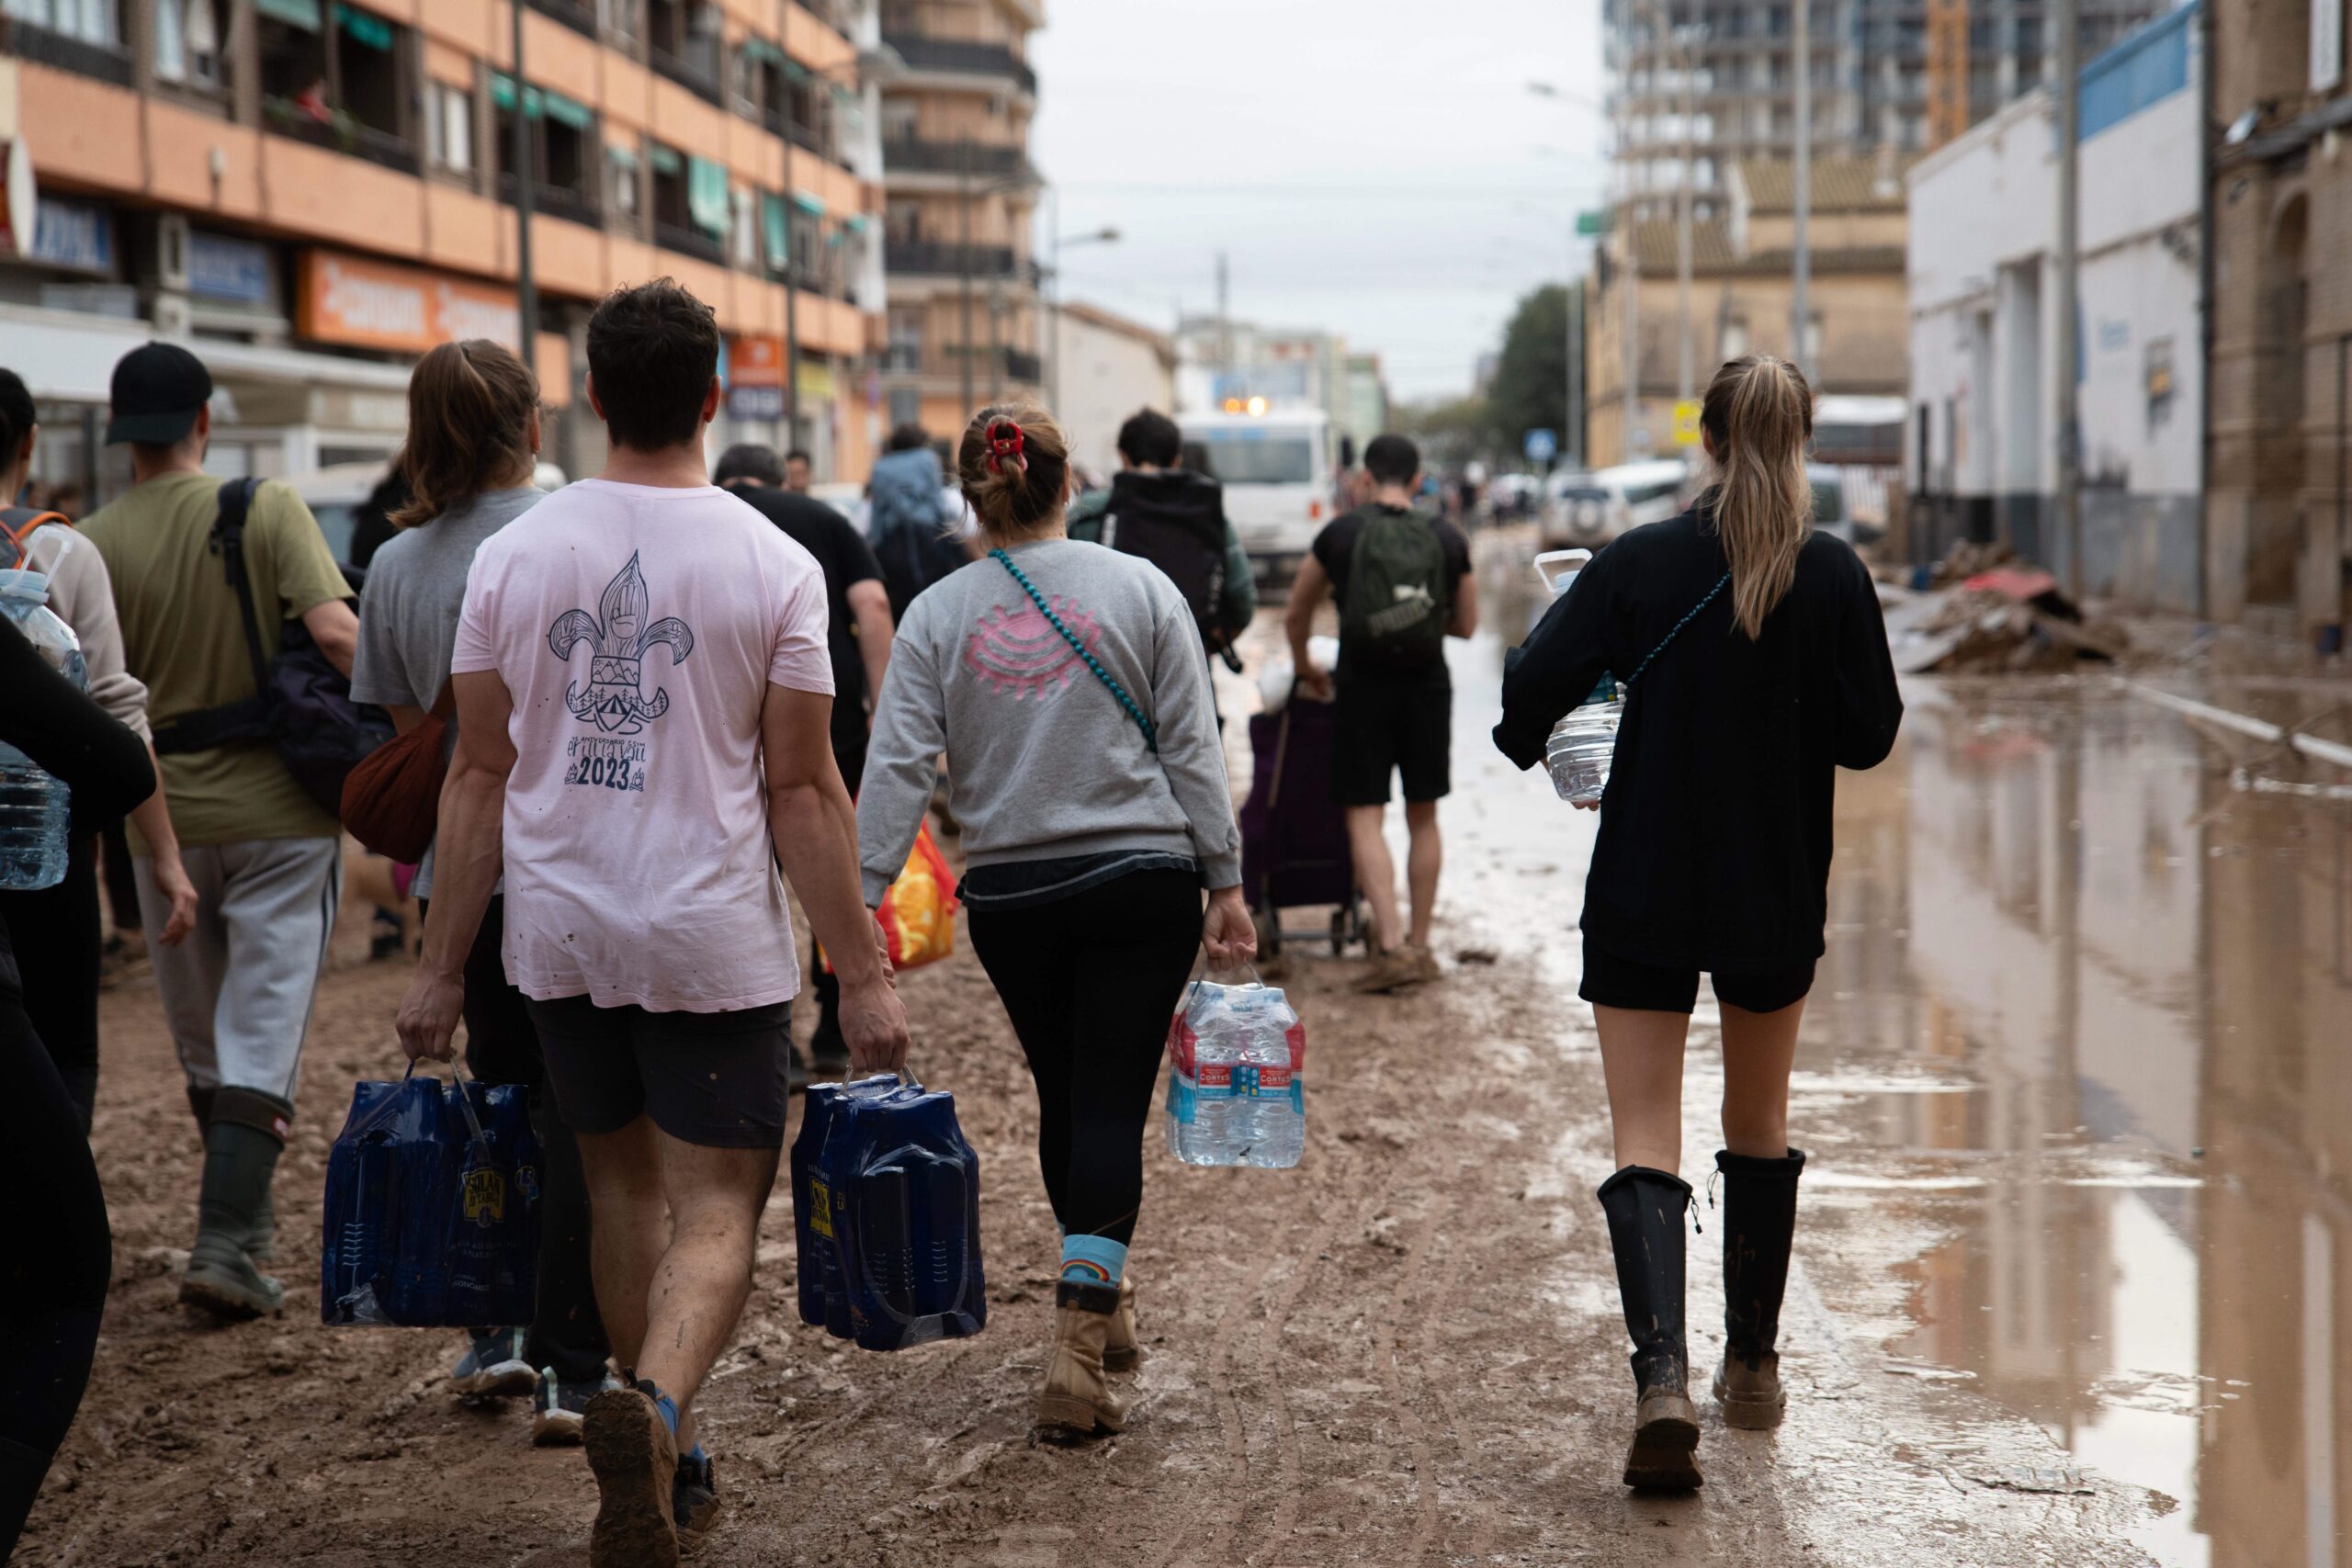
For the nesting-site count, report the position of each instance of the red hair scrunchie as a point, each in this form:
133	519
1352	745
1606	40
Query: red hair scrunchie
1005	439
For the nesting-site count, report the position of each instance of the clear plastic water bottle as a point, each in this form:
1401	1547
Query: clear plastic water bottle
33	804
1578	753
1276	1133
1234	1092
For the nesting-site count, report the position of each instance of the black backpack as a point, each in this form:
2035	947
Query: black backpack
1400	593
1186	544
301	704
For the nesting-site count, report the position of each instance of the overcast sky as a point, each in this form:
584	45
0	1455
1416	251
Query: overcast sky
1376	168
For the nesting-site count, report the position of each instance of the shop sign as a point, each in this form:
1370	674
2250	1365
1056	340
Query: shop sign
349	300
77	238
755	404
816	383
220	267
753	361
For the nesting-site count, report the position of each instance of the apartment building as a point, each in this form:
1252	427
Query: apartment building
963	314
1715	80
310	192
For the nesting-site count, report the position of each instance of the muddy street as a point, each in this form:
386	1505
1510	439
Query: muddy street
2067	1286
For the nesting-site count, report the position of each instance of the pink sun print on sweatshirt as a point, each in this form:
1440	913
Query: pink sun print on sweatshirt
1018	651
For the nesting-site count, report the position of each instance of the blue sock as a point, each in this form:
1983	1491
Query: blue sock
698	1455
667	1406
1094	1259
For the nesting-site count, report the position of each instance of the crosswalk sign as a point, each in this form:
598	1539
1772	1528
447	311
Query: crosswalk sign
1686	423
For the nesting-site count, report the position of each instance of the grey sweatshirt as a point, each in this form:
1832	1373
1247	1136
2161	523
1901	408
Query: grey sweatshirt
1045	761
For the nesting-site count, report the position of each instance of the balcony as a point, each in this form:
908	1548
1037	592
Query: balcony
556	201
577	15
342	134
695	70
953	57
944	362
980	162
688	241
929	257
104	62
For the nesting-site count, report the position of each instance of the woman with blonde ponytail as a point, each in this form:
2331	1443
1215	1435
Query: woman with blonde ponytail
1757	666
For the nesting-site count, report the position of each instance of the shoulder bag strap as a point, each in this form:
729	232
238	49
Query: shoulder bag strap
1721	583
1150	730
17	523
228	538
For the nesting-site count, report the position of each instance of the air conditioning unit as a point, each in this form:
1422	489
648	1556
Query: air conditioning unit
172	316
171	253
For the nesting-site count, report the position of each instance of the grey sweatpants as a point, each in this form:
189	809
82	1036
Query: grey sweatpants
237	992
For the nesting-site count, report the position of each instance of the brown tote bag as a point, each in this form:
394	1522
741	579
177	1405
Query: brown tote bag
392	799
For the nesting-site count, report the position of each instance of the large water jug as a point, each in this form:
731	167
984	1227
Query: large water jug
1579	750
33	804
1237	1085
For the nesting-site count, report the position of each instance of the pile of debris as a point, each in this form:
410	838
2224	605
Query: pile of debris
1979	611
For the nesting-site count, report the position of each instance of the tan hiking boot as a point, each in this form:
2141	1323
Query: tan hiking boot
1122	1352
635	1456
1753	1399
1390	971
1077	1400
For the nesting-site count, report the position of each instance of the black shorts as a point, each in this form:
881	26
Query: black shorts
714	1079
1388	724
1613	982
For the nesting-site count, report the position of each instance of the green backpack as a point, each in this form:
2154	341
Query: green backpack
1399	597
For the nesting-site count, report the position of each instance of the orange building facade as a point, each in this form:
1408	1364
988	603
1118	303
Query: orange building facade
310	192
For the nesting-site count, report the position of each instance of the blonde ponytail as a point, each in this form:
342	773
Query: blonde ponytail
1758	416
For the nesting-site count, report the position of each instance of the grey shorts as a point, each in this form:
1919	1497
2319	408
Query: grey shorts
714	1079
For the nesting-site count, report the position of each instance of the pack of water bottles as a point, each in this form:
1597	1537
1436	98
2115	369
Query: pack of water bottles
886	1208
35	804
1237	1078
1580	748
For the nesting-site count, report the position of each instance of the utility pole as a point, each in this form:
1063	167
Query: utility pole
1685	368
527	289
1054	296
791	277
2070	494
1572	438
964	258
1632	349
1223	319
1801	281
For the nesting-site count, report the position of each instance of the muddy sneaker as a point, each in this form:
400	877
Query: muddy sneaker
1122	1352
493	1365
1390	971
635	1457
558	1410
694	1501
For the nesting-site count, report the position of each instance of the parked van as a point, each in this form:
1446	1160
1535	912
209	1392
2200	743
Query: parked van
1591	509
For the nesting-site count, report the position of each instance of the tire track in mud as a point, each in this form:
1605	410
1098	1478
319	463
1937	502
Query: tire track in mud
1393	1376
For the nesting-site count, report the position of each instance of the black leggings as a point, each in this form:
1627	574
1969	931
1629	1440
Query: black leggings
1089	983
57	941
502	1047
54	1270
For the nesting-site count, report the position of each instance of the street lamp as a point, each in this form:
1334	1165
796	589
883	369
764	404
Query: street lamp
1571	415
1103	236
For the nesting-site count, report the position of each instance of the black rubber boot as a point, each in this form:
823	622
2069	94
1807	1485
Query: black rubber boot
1760	1219
241	1151
261	1241
1646	1210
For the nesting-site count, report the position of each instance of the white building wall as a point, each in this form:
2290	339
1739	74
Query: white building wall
1107	375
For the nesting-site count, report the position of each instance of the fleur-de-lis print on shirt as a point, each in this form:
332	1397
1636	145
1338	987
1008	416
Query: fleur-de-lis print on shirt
614	699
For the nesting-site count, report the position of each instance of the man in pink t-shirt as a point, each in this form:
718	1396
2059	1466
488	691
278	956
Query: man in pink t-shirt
644	701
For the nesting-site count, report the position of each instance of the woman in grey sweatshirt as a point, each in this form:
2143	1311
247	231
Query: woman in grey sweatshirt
1067	685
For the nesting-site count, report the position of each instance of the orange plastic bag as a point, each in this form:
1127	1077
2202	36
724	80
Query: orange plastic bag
918	914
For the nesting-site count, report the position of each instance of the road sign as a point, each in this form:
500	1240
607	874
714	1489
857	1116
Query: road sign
1541	445
1593	224
1686	423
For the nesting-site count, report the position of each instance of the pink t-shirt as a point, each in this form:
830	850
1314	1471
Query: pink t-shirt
638	630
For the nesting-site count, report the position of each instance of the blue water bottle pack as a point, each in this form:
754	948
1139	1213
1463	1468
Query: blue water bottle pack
433	1207
885	1199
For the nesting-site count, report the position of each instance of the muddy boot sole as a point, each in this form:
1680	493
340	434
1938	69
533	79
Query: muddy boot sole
635	1464
1751	1409
1061	1414
1664	1456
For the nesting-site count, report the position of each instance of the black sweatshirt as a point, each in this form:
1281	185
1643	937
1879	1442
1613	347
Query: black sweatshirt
62	730
1715	832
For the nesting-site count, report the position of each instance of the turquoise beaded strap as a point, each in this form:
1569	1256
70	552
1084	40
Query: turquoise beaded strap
1150	732
1676	632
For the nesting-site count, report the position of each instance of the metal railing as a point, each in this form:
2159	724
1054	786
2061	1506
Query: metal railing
961	58
944	360
105	61
688	241
1019	365
342	134
696	69
929	257
914	156
577	15
556	201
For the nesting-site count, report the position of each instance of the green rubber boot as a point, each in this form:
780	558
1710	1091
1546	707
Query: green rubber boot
241	1149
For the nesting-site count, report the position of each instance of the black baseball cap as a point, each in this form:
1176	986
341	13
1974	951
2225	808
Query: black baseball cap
158	388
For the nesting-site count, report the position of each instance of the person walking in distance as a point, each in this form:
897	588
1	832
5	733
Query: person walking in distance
857	638
1064	682
56	931
800	471
644	703
474	441
1757	664
1399	580
1158	509
909	518
265	857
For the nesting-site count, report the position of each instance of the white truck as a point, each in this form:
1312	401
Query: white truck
1276	470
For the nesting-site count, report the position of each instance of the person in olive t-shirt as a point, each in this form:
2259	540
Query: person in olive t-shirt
265	857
